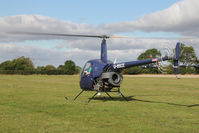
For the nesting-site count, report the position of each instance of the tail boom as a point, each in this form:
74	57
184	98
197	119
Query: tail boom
124	65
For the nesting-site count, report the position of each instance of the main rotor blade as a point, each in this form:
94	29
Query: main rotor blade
120	37
142	38
100	36
58	34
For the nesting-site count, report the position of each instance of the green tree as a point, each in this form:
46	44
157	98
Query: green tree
50	70
197	70
187	55
7	67
69	67
41	70
78	70
23	65
150	53
60	69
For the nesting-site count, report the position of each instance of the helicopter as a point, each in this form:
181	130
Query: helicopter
103	75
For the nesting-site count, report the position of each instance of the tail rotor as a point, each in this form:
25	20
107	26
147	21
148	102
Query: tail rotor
166	51
172	54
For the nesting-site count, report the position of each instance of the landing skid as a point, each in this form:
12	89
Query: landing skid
107	93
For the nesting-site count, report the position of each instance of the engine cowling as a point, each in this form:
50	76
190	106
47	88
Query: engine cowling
112	78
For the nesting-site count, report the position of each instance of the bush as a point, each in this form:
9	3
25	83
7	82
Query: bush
50	70
133	70
69	67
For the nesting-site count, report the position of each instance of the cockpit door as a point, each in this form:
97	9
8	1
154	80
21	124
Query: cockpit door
86	77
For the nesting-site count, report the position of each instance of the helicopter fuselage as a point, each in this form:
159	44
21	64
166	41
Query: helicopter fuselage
91	70
100	76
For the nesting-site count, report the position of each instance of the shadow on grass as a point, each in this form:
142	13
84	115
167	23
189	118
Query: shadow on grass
131	98
175	104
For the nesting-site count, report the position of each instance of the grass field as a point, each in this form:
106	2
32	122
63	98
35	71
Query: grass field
36	104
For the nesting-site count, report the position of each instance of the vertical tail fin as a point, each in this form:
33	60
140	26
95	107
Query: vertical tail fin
176	58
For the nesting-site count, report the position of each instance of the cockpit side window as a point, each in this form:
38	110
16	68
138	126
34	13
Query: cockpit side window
87	69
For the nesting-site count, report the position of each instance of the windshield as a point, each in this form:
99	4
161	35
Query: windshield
87	69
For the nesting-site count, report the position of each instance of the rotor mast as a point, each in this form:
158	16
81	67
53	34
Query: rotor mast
104	51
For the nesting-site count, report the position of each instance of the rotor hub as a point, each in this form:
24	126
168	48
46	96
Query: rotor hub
104	36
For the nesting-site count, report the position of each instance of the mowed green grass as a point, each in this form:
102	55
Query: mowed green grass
36	104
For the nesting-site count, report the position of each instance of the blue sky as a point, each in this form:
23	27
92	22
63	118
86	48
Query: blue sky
140	18
88	11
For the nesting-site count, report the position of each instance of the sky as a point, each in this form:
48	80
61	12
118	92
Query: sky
88	11
139	18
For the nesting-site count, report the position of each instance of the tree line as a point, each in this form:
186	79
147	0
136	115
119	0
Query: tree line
25	66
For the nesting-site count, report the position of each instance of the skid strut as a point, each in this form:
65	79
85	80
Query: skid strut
92	97
78	95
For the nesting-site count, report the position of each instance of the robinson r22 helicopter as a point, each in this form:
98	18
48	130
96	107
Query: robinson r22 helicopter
102	75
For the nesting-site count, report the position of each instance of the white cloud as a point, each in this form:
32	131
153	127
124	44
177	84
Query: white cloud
182	18
38	23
